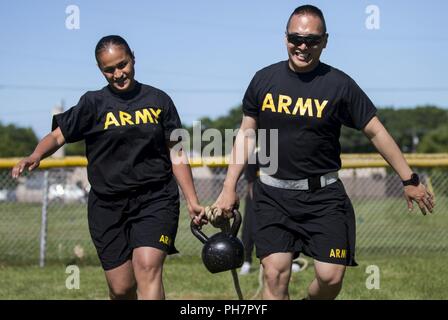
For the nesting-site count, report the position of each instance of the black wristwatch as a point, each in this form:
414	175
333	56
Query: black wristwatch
414	181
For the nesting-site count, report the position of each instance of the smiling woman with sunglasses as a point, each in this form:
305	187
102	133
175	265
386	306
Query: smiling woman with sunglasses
303	206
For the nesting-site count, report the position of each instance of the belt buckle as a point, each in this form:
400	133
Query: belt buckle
314	183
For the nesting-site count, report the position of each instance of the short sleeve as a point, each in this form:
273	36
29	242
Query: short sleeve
76	121
171	119
357	109
251	105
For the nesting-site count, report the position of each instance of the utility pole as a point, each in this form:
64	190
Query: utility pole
415	141
60	153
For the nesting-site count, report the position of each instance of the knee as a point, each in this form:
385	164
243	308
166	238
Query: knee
122	291
275	278
150	268
330	278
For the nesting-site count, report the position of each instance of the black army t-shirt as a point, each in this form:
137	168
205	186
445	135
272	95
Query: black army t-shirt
125	136
308	110
251	172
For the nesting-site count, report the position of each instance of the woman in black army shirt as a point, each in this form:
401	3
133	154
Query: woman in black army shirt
133	208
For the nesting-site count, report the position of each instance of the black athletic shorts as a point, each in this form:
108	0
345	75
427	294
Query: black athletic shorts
320	223
147	217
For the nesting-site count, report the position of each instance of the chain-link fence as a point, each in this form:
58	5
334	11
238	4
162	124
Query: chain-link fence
44	214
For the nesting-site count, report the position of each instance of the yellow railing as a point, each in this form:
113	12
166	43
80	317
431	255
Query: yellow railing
364	160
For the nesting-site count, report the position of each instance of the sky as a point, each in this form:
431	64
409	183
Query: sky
204	53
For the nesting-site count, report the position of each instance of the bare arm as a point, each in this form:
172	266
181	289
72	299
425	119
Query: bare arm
243	147
387	147
46	147
182	172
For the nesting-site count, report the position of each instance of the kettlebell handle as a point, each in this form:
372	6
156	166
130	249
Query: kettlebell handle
196	229
236	223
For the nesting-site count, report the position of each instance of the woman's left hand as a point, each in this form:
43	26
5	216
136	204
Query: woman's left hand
197	213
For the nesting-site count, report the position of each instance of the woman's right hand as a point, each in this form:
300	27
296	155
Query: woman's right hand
46	147
30	162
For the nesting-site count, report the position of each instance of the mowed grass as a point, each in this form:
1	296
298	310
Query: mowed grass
384	226
408	248
186	278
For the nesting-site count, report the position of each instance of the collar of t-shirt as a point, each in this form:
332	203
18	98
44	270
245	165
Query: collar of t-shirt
128	95
304	76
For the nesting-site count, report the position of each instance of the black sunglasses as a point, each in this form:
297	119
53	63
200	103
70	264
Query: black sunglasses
310	41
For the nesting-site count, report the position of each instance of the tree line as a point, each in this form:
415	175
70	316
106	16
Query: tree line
419	129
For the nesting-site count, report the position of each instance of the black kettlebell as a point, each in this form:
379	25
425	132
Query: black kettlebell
223	251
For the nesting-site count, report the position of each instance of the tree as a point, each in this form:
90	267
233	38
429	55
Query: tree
435	141
15	141
354	141
407	126
230	121
75	149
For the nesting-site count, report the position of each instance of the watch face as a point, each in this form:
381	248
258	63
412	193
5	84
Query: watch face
415	181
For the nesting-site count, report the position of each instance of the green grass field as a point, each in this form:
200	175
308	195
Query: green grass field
409	249
187	278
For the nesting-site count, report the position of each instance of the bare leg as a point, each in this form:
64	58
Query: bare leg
328	281
121	282
148	268
276	275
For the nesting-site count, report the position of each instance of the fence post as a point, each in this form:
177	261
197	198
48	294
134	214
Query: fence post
43	226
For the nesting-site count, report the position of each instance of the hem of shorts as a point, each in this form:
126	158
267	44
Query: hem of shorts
296	254
169	251
351	263
111	266
264	254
